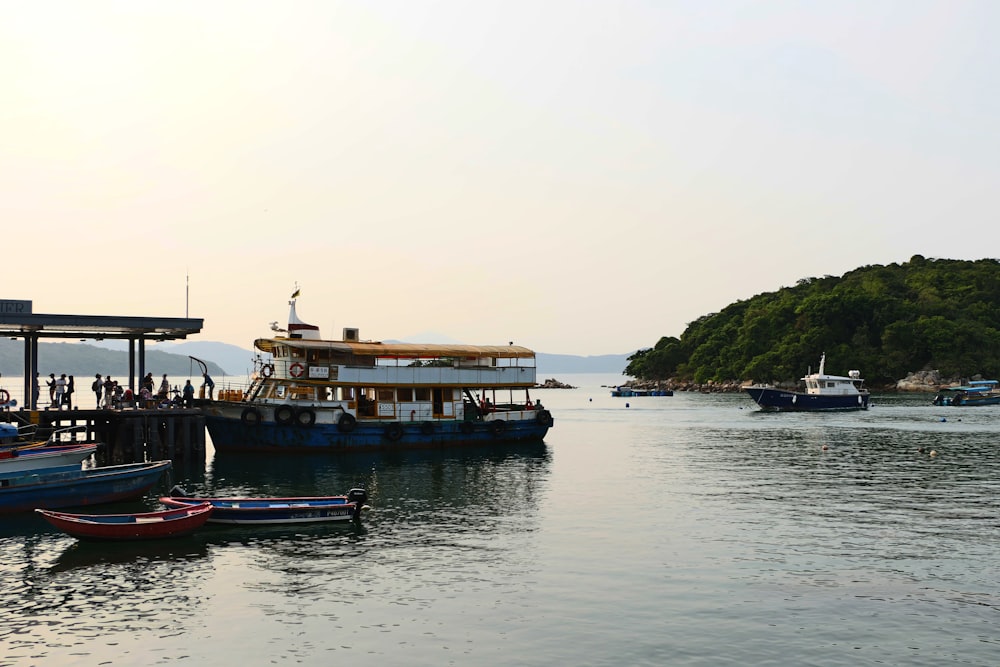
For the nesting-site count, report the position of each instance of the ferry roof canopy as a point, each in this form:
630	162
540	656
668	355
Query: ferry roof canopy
98	326
401	350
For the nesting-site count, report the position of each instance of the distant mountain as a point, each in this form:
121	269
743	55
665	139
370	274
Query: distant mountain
549	364
222	358
82	360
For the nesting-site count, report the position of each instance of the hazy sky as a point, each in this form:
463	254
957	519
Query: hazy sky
578	177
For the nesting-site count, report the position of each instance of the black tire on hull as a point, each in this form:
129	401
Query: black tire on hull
393	432
346	423
284	414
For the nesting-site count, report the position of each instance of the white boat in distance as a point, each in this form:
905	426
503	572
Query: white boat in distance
314	394
822	392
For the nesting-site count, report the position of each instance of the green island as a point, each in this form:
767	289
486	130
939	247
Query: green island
888	321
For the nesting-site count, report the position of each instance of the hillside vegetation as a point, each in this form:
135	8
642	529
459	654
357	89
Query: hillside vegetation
886	321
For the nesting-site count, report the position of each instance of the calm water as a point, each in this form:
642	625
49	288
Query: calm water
689	530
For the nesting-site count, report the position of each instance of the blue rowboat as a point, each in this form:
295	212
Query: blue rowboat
76	487
263	511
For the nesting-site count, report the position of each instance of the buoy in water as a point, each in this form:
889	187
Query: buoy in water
933	453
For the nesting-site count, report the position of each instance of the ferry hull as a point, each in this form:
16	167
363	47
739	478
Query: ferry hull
233	434
792	401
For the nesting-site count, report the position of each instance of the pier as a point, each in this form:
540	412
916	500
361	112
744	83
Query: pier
126	436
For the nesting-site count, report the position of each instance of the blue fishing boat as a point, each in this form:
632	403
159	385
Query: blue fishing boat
314	394
264	511
977	392
76	486
822	392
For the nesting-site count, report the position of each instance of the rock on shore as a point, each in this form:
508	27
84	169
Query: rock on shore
553	383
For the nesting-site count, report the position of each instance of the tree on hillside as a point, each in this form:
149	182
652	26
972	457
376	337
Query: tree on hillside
886	320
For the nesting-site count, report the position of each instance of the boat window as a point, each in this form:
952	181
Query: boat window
423	394
296	353
404	394
385	395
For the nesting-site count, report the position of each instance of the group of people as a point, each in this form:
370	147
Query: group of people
61	391
109	394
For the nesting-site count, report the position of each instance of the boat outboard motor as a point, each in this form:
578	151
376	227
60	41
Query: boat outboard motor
178	492
358	497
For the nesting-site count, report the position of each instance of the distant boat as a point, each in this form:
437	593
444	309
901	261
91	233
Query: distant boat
174	522
264	511
977	392
629	391
822	392
47	489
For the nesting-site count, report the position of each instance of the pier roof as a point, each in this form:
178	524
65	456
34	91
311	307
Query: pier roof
98	326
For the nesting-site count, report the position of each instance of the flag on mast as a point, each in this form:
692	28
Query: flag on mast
295	294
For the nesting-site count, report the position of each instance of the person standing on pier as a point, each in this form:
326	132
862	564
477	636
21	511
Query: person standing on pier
60	391
208	385
164	390
188	394
109	392
98	388
35	393
70	388
51	382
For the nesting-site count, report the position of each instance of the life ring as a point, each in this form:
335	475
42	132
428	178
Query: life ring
4	396
266	371
466	427
296	370
393	432
346	423
250	416
284	414
498	427
427	428
305	417
544	417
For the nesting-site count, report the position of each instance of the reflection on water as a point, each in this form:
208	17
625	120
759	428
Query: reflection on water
60	592
634	535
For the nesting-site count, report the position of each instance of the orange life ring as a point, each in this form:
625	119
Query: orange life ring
266	370
296	370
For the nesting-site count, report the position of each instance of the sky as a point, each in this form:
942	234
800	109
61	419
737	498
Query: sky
579	177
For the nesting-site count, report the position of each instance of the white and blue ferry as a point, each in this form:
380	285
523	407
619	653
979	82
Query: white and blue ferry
312	394
822	392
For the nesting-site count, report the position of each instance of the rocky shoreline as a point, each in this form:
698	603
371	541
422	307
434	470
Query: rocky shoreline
919	381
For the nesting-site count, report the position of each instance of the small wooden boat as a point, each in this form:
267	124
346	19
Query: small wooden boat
14	459
174	522
261	511
47	489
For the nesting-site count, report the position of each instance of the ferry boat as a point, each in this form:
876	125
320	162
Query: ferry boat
822	392
312	394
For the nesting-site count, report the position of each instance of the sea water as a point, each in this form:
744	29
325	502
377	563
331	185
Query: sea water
683	530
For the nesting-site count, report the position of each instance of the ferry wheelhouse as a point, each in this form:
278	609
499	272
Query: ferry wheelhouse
311	394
